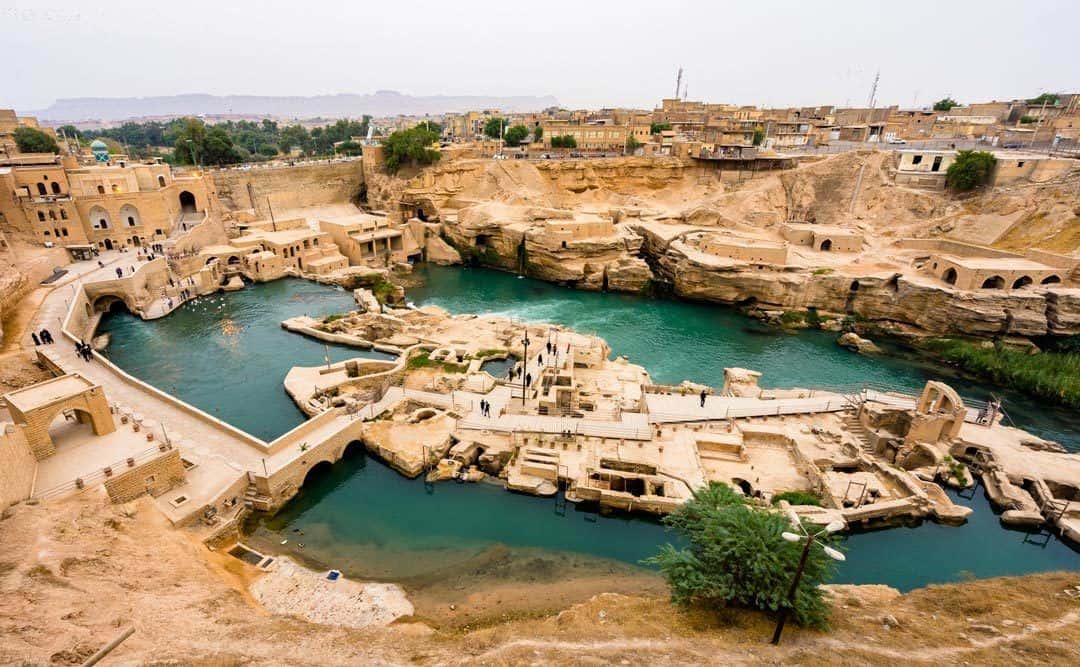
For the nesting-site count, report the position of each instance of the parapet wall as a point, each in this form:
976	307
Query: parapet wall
288	187
156	476
956	248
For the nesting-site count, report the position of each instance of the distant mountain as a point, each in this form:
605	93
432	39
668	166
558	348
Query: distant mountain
381	103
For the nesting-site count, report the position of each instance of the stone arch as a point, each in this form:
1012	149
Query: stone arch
941	401
949	276
1050	280
854	286
110	303
921	455
994	282
36	407
746	487
187	202
318	469
130	215
233	260
1022	281
826	245
100	218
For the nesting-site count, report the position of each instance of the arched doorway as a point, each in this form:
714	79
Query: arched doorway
1022	281
949	276
108	244
826	245
187	202
70	427
233	260
136	241
994	282
745	486
1050	280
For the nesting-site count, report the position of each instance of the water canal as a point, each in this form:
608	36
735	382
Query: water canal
228	355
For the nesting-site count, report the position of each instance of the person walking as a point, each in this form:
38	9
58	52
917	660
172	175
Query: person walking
46	337
528	379
539	360
119	272
702	398
36	341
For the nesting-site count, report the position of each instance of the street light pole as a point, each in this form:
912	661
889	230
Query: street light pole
791	592
810	538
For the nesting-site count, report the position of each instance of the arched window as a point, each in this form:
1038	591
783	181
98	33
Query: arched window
55	187
994	282
52	215
64	230
1050	280
41	189
161	181
99	218
115	187
826	245
949	276
63	214
1022	281
101	189
41	216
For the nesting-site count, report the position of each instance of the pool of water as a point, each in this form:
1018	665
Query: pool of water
228	355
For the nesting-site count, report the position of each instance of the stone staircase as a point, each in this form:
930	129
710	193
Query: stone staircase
855	427
255	500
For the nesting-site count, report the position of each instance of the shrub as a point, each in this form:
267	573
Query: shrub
736	556
945	104
412	146
32	140
971	169
797	498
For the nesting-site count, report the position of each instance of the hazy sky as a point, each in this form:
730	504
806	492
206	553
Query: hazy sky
586	53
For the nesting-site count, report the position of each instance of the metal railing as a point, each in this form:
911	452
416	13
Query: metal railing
102	474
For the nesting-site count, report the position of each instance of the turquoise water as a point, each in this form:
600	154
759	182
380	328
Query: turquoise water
228	355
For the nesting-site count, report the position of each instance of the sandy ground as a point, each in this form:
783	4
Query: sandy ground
74	574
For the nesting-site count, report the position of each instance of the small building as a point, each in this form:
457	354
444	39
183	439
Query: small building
825	238
924	168
369	240
970	273
745	249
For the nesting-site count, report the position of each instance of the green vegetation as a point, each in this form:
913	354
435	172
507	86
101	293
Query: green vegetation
657	128
32	140
332	318
493	127
1045	98
632	144
249	140
515	135
382	289
424	360
956	470
797	498
1027	120
348	148
1053	375
495	352
822	272
410	147
970	170
792	318
737	557
538	133
945	104
759	136
564	141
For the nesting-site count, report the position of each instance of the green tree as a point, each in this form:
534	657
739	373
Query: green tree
945	104
563	141
538	133
657	128
32	140
970	169
516	134
494	126
759	136
1045	98
736	557
1027	120
268	150
632	144
431	126
350	148
410	147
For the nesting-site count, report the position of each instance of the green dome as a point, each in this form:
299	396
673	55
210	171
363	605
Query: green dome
99	145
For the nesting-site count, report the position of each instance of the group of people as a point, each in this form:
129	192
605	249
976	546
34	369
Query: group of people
516	372
485	408
42	337
83	349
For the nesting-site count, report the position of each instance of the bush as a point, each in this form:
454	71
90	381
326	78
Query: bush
797	498
759	136
516	134
971	169
564	141
657	128
736	556
412	146
1050	375
945	104
32	140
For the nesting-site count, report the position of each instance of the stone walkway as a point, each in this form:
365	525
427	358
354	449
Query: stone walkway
664	408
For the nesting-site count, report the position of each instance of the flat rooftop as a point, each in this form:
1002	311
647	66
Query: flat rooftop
1011	263
49	391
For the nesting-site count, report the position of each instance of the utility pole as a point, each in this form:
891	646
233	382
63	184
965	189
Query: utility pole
791	592
678	82
273	223
525	365
873	90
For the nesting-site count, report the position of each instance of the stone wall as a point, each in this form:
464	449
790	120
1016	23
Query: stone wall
17	466
288	187
156	476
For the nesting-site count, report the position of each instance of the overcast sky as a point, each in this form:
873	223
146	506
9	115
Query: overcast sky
585	52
